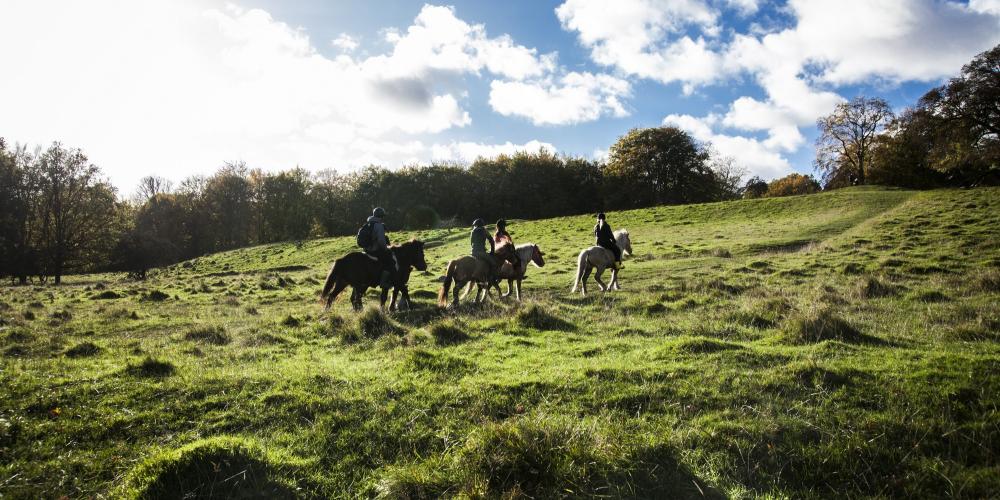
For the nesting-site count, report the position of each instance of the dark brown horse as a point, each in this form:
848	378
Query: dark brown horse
362	272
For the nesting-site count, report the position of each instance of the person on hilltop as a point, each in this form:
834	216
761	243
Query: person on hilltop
505	244
373	239
479	238
606	238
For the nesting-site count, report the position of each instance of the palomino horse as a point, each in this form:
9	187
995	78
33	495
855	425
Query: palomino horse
467	269
601	258
361	272
526	252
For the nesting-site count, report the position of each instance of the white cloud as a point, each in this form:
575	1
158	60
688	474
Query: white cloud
760	158
985	6
745	7
345	42
440	41
174	88
830	44
637	37
470	151
574	98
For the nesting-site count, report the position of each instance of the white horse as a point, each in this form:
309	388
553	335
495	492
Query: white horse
601	258
526	253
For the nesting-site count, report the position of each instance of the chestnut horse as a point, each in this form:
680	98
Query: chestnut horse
465	270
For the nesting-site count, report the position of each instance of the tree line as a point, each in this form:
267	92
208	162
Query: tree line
950	137
59	215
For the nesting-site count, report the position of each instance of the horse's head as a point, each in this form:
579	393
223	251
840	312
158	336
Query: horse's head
413	252
420	262
624	242
537	256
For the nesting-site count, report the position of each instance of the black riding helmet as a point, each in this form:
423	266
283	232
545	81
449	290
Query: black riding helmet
601	216
501	223
478	223
378	212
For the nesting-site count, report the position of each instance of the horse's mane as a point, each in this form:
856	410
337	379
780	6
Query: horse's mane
407	244
621	232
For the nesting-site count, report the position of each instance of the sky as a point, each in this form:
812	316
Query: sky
176	88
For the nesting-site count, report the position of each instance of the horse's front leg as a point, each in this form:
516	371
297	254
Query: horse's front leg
406	297
509	288
383	297
614	280
356	294
518	290
458	286
392	302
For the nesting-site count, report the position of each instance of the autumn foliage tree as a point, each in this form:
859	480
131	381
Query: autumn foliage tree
791	185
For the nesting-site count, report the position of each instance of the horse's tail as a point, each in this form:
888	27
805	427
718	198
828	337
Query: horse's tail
331	279
448	278
581	262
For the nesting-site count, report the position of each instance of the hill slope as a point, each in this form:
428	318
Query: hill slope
840	343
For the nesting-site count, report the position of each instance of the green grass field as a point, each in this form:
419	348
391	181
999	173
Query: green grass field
839	344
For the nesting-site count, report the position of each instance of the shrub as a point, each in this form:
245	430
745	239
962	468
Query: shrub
422	217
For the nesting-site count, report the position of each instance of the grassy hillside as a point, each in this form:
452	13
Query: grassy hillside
844	343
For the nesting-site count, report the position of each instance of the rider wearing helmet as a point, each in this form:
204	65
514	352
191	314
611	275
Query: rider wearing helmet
379	247
606	238
504	243
479	238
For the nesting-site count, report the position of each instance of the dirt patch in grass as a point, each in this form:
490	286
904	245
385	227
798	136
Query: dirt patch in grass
535	316
215	335
823	324
699	345
83	350
448	333
154	296
546	457
218	467
151	368
440	363
876	288
374	323
291	321
930	296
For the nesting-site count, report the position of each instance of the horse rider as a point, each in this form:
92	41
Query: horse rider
379	247
505	244
479	238
606	238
